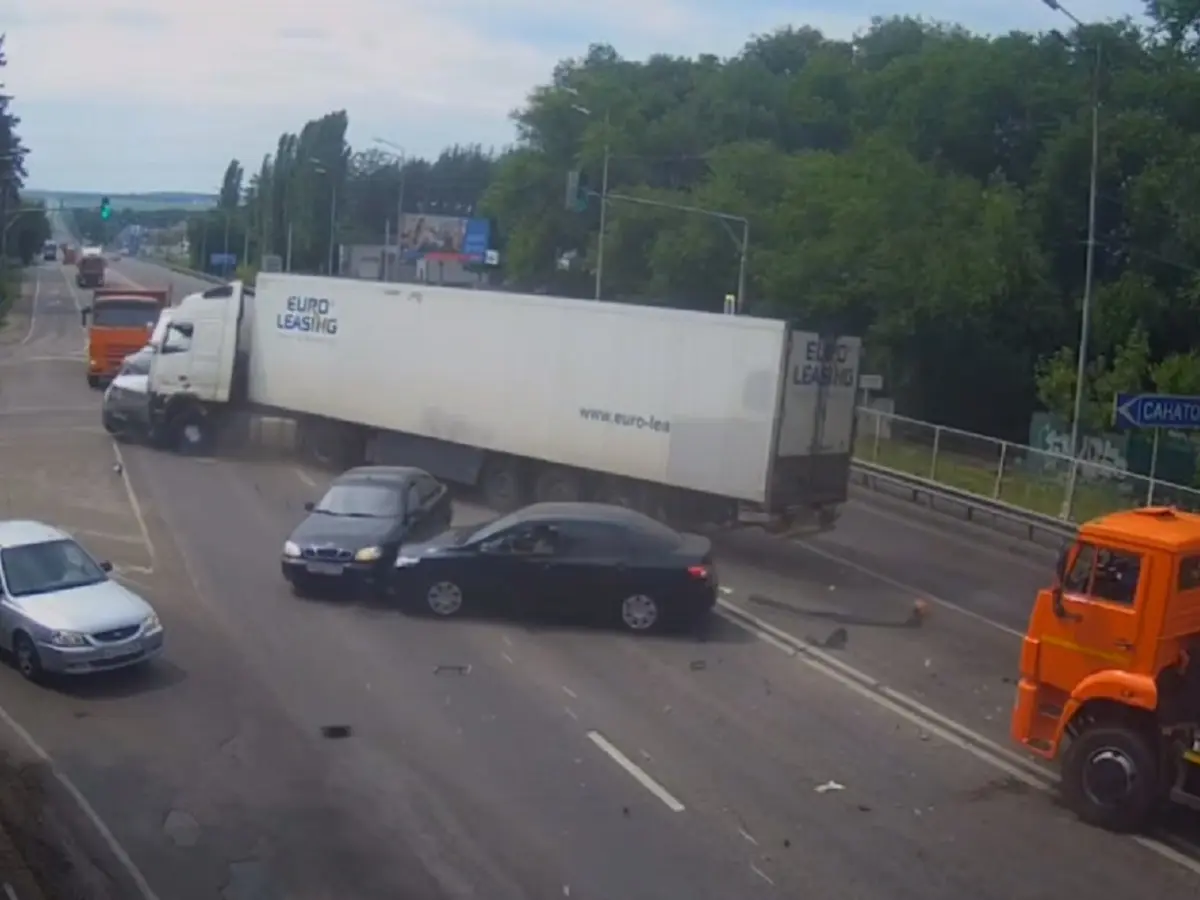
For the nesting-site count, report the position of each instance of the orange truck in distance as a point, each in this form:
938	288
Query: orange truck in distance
119	322
1110	668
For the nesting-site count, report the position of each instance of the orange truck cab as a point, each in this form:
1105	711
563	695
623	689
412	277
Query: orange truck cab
1110	668
119	322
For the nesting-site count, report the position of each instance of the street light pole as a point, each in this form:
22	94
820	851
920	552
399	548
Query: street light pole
1085	318
603	211
400	155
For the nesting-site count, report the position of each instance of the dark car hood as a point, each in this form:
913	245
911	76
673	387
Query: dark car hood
344	532
451	537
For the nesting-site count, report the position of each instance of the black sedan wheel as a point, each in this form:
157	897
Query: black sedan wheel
640	613
444	599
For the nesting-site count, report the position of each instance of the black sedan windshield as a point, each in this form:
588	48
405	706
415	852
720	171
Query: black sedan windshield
49	567
363	501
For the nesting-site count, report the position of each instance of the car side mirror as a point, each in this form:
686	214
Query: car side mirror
309	506
106	565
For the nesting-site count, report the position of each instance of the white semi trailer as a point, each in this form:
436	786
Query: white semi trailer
693	417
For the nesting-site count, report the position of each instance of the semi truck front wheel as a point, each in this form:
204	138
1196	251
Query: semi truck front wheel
191	431
1110	777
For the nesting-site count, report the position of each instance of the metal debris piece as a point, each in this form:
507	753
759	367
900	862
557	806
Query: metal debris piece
452	670
829	786
335	732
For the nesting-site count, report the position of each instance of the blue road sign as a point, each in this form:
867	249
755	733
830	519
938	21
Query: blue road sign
1157	411
223	259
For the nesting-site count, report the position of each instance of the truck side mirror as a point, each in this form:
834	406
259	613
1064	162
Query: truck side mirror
1056	592
83	315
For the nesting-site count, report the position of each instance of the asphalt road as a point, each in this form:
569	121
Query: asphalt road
514	760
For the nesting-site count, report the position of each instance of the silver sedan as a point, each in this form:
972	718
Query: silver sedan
61	613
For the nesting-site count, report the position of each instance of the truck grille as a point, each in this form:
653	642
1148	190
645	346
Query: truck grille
328	553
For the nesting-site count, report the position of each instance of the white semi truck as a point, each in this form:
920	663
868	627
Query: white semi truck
692	417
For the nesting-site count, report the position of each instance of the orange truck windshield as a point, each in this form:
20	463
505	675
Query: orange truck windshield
125	314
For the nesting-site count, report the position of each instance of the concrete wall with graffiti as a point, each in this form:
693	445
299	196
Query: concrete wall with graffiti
1114	453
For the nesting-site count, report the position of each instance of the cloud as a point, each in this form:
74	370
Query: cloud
181	86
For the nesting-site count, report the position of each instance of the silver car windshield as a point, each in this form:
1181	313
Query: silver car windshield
48	568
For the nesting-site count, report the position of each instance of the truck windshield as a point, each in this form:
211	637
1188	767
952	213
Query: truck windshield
125	314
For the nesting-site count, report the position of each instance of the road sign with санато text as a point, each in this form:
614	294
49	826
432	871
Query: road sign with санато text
1156	411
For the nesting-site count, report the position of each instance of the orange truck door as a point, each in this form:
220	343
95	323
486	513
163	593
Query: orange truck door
1102	593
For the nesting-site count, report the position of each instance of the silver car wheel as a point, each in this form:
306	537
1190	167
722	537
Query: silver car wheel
444	598
639	612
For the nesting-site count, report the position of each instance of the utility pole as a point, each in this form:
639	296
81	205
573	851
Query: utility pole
603	212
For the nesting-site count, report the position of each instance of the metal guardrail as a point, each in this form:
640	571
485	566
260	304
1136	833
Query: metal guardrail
986	478
996	515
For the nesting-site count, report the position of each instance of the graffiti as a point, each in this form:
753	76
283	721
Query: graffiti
1106	453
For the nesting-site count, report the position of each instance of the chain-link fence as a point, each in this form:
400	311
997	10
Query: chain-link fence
1037	480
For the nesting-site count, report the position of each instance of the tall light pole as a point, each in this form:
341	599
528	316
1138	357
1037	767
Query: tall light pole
1085	320
400	155
321	169
583	110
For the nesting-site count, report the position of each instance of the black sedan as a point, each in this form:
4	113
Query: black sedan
351	537
568	558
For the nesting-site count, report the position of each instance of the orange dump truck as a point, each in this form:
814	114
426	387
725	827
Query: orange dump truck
1110	668
119	322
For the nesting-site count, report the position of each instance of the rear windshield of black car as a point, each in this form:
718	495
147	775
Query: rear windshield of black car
124	314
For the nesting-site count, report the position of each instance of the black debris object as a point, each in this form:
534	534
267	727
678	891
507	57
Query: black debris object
335	732
452	670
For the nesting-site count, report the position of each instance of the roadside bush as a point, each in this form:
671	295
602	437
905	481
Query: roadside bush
10	290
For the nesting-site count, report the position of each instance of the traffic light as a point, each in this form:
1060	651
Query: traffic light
105	209
577	193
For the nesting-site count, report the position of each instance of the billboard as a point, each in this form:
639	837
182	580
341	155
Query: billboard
468	239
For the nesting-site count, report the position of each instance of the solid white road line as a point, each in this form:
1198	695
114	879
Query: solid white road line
37	290
135	505
913	711
916	592
637	772
110	840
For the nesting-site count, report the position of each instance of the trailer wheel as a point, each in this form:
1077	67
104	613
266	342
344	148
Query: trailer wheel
501	484
1110	777
557	485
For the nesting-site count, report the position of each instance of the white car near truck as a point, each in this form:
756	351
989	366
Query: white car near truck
689	416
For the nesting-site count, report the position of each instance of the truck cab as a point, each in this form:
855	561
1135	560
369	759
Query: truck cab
49	251
89	271
1110	668
119	322
199	349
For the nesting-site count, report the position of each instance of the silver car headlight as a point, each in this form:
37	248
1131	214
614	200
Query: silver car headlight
405	562
151	623
368	554
291	549
68	639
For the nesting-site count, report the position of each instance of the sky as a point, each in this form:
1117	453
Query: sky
131	95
